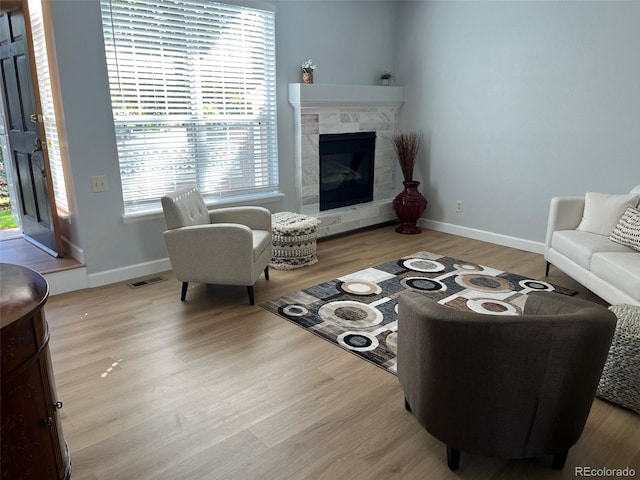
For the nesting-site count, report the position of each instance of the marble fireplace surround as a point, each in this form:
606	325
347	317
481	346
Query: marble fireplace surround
325	108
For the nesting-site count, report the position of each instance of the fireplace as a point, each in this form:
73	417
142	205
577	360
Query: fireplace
325	109
346	169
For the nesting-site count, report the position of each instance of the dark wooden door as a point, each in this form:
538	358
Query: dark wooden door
26	136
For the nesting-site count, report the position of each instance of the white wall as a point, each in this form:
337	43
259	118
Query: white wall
520	101
349	41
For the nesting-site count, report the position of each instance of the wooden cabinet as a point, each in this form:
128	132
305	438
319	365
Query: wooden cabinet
33	446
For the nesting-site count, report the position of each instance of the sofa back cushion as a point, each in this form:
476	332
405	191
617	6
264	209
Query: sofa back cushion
602	211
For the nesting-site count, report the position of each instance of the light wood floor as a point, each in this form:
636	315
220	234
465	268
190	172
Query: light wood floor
20	252
216	389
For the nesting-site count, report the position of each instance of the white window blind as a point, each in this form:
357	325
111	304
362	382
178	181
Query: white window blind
193	94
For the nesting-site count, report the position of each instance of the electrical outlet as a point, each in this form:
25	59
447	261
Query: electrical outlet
99	184
459	206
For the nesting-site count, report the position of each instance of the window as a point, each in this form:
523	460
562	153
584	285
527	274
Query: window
193	93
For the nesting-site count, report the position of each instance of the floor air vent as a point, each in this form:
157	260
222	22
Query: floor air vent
147	281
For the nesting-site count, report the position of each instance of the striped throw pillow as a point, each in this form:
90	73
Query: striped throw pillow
627	232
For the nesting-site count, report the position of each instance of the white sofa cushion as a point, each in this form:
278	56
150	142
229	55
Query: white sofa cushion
621	269
580	246
603	211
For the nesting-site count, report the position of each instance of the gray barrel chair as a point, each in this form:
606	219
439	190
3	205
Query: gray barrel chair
229	246
503	386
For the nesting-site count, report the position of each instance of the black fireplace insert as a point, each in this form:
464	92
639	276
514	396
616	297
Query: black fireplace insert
346	169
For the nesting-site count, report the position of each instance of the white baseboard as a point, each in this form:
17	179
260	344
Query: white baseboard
77	278
73	250
497	238
128	273
64	281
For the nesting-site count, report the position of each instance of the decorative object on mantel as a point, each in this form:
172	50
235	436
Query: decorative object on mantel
410	203
386	78
307	71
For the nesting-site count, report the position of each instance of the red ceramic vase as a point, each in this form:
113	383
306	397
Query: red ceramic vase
409	205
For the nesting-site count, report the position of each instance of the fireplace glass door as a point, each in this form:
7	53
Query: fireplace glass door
346	169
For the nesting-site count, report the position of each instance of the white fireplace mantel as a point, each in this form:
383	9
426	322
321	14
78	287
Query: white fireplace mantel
308	95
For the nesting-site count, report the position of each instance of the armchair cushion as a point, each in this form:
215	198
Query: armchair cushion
261	242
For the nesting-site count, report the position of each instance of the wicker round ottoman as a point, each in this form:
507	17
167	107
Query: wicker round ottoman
294	240
620	381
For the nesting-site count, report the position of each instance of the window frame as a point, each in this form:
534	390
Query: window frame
239	145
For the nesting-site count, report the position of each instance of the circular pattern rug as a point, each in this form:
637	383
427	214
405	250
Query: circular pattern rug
358	312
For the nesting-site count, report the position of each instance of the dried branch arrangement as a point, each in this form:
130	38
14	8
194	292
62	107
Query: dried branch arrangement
406	146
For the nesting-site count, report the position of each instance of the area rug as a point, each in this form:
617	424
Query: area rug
358	312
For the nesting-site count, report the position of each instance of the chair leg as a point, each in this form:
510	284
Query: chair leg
559	459
266	273
546	273
183	296
453	458
251	299
407	407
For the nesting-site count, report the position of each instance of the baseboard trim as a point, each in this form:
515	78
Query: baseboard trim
73	279
72	249
63	281
78	279
128	273
498	239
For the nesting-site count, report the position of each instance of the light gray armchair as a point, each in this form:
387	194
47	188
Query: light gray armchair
503	386
229	246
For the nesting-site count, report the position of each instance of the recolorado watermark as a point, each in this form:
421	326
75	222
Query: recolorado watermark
605	472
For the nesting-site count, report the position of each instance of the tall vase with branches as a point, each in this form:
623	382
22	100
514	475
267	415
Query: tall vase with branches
410	204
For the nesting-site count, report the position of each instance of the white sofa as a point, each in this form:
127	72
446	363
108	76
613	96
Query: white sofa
578	243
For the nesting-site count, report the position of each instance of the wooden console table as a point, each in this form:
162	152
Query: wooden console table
33	446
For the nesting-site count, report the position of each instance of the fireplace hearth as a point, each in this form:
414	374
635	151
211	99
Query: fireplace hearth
346	169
